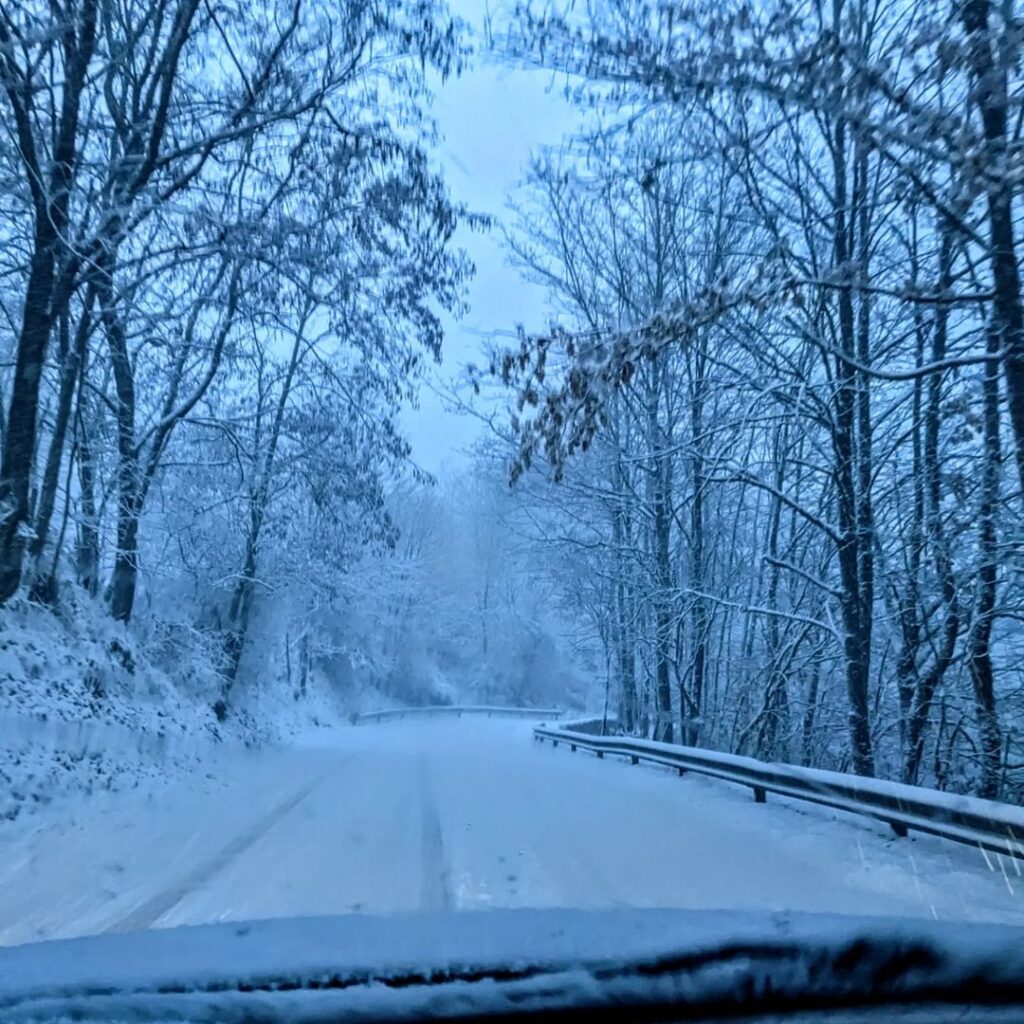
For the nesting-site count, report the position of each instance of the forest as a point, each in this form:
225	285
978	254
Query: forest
758	485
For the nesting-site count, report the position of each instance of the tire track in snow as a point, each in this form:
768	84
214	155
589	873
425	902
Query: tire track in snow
151	910
437	882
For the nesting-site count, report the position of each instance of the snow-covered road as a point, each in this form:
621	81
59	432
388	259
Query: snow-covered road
462	815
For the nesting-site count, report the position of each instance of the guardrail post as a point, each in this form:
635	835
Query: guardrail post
600	753
682	770
759	794
899	828
572	747
633	759
554	743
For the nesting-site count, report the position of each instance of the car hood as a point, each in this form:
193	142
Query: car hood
463	964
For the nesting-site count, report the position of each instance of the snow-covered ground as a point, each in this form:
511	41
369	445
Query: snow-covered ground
463	815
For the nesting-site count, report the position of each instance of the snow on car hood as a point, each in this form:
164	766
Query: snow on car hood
395	967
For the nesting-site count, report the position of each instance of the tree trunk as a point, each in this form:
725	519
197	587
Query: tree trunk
660	488
241	602
87	547
73	360
810	712
929	681
49	183
259	496
854	547
20	433
700	620
623	626
776	700
124	578
979	653
908	612
990	93
126	565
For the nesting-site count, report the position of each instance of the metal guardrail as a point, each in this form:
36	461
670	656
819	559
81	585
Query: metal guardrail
983	823
455	711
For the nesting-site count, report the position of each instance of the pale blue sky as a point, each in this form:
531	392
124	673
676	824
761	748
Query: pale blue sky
491	118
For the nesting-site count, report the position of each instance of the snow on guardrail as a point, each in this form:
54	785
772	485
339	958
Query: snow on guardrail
987	824
455	711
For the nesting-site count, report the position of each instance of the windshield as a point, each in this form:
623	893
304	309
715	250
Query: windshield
465	456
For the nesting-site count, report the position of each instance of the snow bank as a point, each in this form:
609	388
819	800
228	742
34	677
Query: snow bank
87	704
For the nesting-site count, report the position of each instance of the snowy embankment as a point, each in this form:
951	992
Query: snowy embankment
87	705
